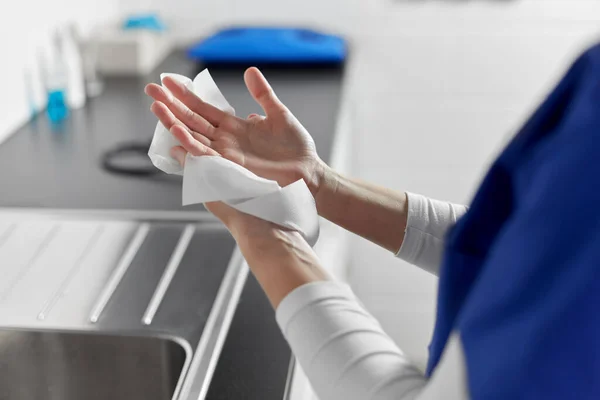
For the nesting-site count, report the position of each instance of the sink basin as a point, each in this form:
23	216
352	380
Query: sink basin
64	366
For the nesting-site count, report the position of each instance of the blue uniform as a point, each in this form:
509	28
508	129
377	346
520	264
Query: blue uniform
520	279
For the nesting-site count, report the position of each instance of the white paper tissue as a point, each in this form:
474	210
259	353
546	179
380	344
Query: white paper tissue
162	142
208	178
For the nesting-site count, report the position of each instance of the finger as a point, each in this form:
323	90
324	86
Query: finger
179	154
201	138
169	121
252	116
262	92
209	112
180	110
165	116
189	143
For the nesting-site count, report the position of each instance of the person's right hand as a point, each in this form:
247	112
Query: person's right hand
275	147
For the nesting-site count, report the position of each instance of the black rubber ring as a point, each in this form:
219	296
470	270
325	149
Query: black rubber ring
109	157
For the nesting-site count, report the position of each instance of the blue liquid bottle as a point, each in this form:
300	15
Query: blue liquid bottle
56	86
57	105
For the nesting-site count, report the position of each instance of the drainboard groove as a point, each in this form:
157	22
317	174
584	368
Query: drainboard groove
71	273
119	271
6	234
27	266
167	277
216	328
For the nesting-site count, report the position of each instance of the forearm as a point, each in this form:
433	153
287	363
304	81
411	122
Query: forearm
341	347
322	321
410	225
281	261
372	212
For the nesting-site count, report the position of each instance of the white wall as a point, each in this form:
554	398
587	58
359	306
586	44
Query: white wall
24	30
192	18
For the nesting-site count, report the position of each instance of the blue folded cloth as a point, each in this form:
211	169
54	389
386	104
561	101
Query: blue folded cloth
269	45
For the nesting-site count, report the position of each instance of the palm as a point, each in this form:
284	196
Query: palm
276	147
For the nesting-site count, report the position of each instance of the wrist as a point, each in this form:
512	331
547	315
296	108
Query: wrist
248	229
281	262
268	245
320	180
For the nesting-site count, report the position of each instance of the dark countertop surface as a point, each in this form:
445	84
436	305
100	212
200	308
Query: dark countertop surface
59	168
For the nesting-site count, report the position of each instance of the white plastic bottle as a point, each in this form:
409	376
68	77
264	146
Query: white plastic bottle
71	54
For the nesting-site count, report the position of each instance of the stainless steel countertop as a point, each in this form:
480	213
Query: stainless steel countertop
144	279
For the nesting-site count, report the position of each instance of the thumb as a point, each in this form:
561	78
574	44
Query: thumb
262	92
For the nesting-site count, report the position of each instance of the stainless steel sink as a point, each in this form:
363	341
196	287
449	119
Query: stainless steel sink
101	308
70	366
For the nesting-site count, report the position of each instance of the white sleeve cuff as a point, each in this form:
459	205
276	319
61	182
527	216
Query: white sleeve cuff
427	223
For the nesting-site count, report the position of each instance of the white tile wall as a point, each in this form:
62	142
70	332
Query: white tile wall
193	18
399	129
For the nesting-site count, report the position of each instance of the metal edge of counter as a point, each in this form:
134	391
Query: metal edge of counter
176	216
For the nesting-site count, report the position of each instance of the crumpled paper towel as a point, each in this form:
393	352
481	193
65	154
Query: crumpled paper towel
212	178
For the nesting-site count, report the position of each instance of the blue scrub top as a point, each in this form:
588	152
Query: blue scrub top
520	280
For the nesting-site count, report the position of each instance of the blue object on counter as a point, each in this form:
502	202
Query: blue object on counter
150	22
57	106
270	45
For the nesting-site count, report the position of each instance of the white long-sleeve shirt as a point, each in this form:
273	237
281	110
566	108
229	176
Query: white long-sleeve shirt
344	351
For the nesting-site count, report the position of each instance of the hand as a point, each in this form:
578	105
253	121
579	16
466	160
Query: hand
275	147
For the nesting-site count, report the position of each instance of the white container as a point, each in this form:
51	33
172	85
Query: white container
130	52
71	53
